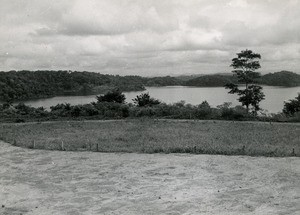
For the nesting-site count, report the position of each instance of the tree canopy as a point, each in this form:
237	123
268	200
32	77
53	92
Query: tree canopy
145	100
292	106
244	68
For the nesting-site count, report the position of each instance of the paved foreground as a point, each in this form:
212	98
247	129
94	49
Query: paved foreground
56	182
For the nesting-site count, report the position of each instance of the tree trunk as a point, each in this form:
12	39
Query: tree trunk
247	94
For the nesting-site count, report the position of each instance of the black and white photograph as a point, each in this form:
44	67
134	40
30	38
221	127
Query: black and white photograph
149	107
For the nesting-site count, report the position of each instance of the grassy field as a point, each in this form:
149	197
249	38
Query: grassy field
159	136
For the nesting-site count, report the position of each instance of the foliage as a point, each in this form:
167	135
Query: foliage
42	84
115	96
283	78
115	110
292	107
244	68
163	81
112	110
210	81
145	100
24	85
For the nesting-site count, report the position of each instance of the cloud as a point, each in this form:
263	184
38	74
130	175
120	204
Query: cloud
148	37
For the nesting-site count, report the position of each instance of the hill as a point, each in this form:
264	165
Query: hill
22	85
162	81
283	78
210	81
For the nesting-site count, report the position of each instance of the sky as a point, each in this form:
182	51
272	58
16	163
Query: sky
148	37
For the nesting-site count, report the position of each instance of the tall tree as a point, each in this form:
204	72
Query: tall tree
244	66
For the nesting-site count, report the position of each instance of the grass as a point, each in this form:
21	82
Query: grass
159	136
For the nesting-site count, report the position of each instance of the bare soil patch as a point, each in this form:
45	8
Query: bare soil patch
58	182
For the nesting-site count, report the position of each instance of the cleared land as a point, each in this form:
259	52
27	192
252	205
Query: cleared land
40	182
153	136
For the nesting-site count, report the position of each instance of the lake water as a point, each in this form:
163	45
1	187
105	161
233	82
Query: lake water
273	103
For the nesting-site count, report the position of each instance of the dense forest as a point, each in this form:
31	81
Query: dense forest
283	78
211	81
23	85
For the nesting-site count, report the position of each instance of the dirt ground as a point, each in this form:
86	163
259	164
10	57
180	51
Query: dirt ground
57	182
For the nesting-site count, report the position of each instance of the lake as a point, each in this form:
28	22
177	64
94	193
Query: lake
273	103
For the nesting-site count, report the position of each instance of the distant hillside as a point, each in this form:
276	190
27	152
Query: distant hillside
188	77
24	85
283	78
162	81
210	81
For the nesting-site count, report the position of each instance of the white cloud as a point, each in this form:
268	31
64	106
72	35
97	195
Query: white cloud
148	37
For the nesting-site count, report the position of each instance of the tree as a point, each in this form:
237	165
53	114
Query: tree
145	100
244	68
114	96
292	107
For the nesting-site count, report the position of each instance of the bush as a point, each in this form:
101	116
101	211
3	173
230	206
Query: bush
89	110
75	111
145	100
292	107
112	110
62	110
225	110
115	96
203	111
23	109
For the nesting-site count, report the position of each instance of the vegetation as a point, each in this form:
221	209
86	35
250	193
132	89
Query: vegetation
115	96
292	107
112	106
159	136
211	81
283	78
113	110
162	81
145	100
24	85
244	68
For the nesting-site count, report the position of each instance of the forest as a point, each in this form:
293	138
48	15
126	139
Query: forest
24	85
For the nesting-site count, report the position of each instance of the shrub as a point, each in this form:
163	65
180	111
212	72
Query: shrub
89	110
62	110
112	110
240	112
23	109
75	111
145	100
226	111
203	110
115	96
292	107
